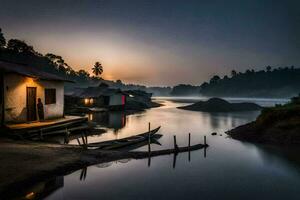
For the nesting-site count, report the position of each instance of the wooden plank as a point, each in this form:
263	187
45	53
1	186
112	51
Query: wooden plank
61	131
55	126
46	123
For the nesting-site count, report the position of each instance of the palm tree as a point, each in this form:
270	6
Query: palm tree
97	69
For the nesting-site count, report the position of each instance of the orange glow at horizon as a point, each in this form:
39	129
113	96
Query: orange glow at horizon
128	59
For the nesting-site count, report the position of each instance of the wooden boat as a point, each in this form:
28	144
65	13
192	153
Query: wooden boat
115	144
153	140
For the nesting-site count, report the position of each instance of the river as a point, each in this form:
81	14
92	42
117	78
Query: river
227	169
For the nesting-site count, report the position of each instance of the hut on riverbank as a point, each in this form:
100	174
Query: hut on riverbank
100	97
21	87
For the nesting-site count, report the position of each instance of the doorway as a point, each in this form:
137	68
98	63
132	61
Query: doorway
31	103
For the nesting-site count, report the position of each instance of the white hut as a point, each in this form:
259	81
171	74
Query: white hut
20	88
102	96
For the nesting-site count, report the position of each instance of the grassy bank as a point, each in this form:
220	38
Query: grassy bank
278	125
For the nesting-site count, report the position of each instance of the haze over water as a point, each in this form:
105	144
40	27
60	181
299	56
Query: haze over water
229	169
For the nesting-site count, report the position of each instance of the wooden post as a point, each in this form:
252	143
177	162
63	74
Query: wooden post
174	160
205	140
149	160
149	140
175	144
78	141
189	147
189	140
83	140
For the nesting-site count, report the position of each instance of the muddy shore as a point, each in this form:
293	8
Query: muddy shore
25	163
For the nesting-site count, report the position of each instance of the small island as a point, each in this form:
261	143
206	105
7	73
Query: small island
276	125
221	105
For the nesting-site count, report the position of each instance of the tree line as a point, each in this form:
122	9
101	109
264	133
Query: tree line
270	82
18	51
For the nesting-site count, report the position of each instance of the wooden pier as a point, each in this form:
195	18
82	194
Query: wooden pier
64	125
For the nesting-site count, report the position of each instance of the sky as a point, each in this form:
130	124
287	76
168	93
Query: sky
159	43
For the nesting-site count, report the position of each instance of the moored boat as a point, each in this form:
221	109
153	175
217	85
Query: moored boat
115	144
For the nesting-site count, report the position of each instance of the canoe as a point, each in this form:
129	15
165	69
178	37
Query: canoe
153	140
115	144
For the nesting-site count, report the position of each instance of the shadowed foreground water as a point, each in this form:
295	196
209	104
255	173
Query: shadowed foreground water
230	170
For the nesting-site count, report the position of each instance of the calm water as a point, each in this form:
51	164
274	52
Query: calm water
230	169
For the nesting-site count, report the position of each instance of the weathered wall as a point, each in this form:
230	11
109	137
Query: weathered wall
115	100
15	97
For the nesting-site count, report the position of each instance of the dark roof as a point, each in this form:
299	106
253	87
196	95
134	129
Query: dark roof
94	92
103	85
29	71
138	93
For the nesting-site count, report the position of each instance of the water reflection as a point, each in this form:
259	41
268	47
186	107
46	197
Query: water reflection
112	120
119	125
220	120
83	174
38	191
230	170
100	121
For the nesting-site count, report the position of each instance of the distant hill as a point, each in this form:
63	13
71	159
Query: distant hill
279	82
220	105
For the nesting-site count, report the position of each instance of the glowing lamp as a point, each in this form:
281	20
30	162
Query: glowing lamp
30	195
91	100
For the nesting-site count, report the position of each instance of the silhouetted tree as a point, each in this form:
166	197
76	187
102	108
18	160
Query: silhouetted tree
57	60
19	46
280	82
84	74
233	73
119	83
204	85
268	68
292	67
183	89
97	69
248	71
214	79
60	64
2	40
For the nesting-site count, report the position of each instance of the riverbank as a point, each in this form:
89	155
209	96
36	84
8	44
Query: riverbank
25	163
276	125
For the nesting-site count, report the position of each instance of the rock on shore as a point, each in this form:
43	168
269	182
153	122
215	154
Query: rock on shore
220	105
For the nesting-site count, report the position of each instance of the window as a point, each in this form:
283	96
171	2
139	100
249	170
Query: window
50	96
88	101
